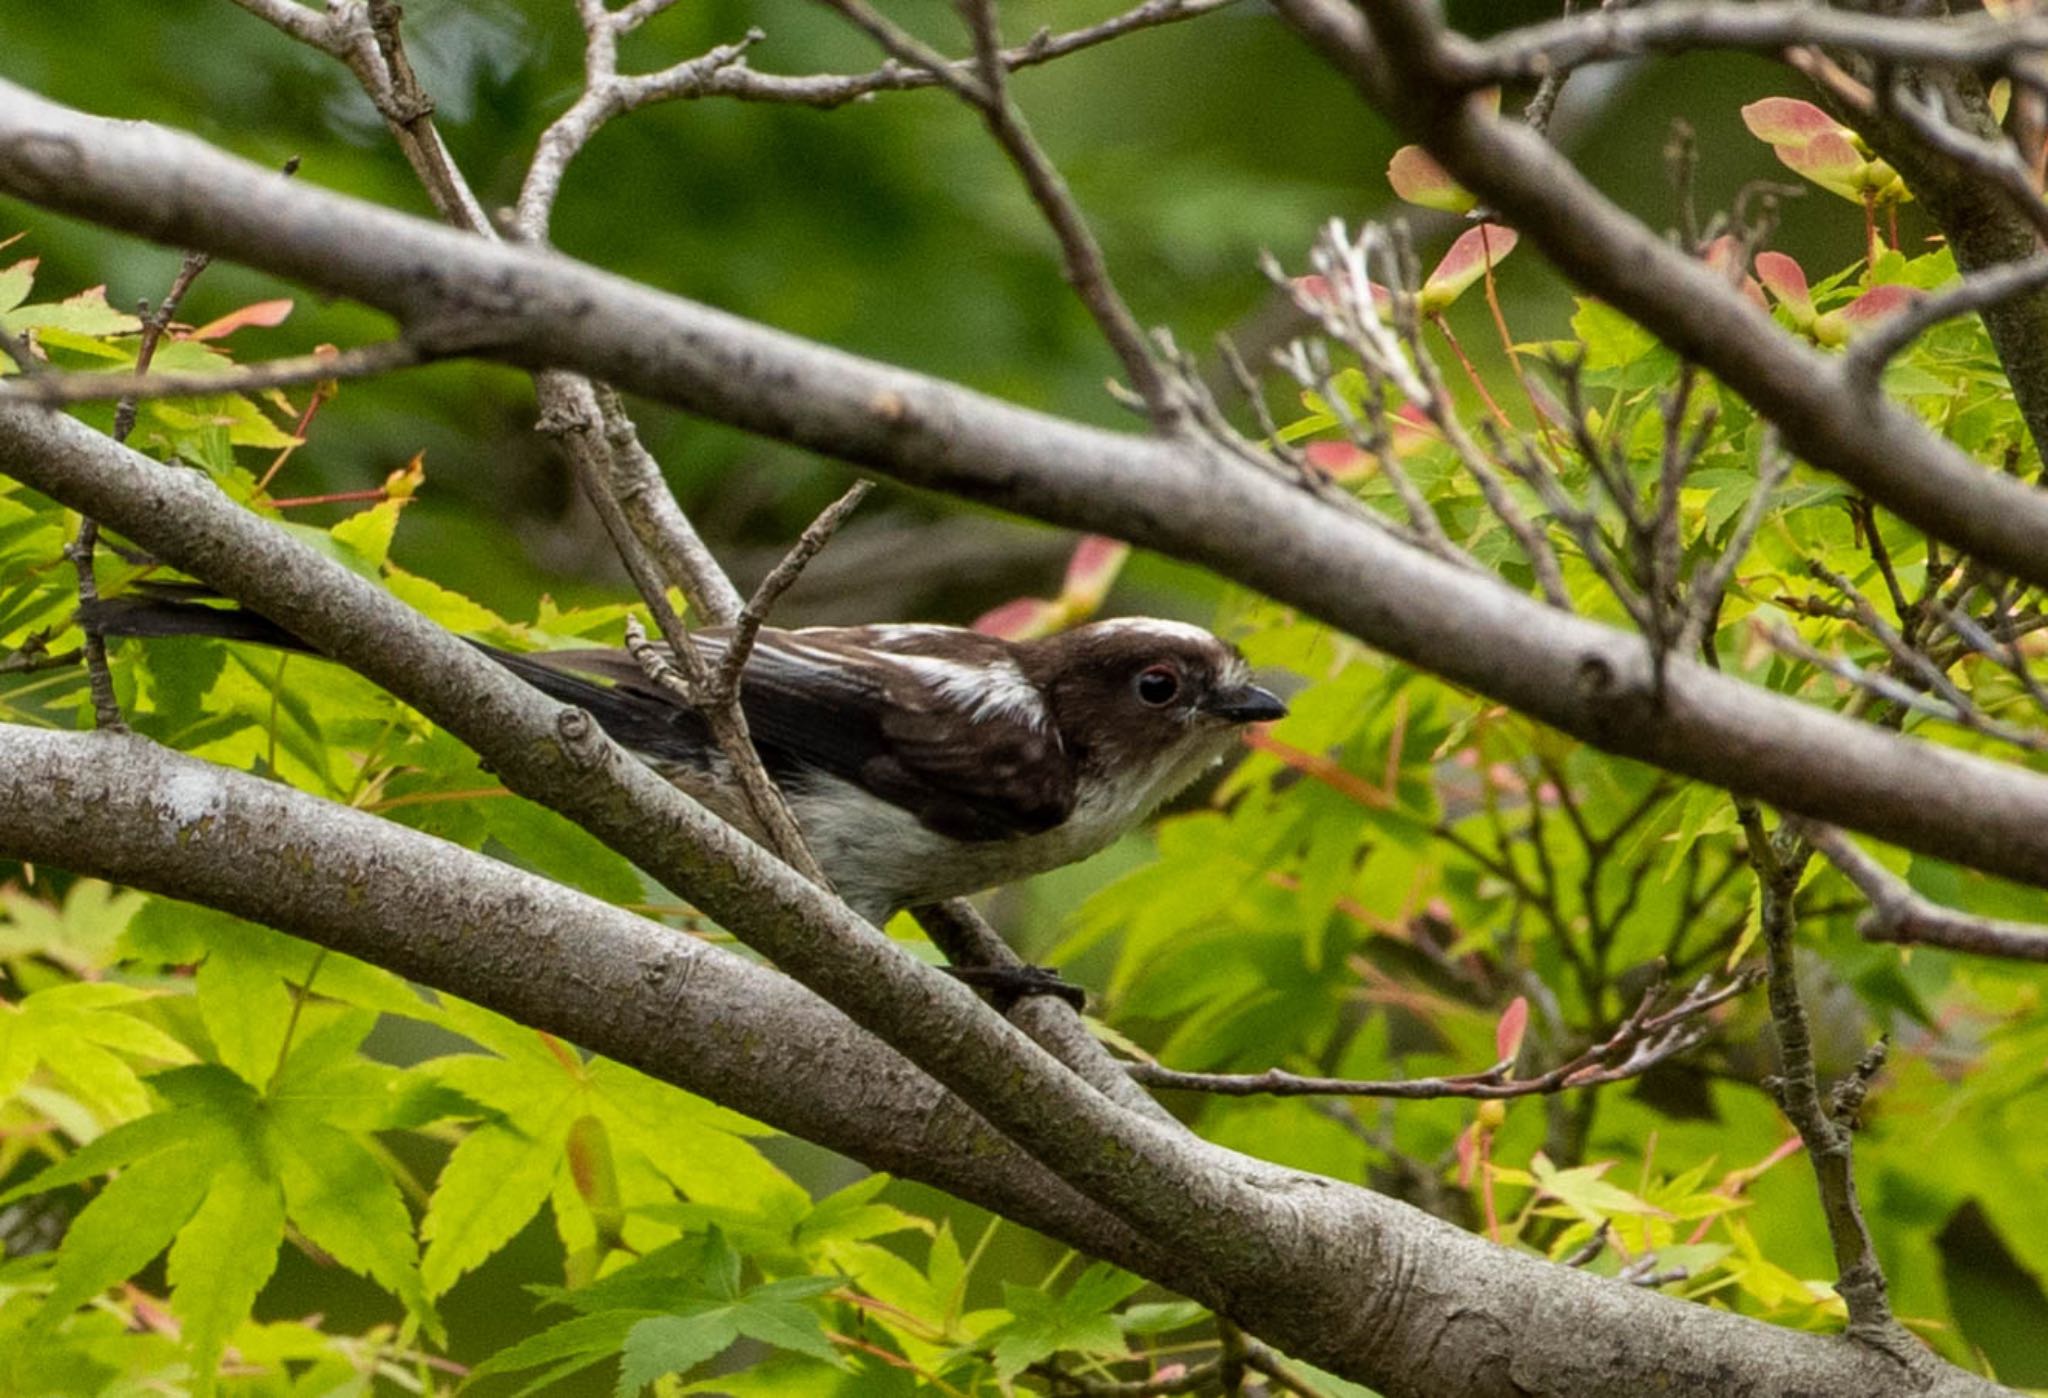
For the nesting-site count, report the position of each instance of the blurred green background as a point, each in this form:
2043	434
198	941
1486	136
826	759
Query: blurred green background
891	228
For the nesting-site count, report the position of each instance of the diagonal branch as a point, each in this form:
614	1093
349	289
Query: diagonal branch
1584	678
1898	914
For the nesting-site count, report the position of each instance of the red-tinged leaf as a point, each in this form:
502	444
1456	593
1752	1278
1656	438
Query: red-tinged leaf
1313	287
1783	121
1880	303
1787	281
1411	430
1507	1035
1476	249
1341	461
260	313
1720	255
1417	178
1832	161
1020	619
1096	562
1469	1148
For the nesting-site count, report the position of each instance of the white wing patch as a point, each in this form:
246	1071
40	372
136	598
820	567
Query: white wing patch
984	692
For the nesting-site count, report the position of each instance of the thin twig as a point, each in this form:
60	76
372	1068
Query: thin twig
362	361
1642	1041
725	683
106	707
583	443
986	89
1703	598
2011	43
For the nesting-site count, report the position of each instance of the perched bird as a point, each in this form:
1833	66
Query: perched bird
921	762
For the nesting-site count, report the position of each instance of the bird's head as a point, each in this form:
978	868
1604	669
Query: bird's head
1155	701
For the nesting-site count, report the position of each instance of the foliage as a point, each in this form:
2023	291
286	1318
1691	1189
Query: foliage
1398	881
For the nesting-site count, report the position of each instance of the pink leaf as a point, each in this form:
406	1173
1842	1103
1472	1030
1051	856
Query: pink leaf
1720	255
1470	1143
1880	303
1313	288
1507	1035
1341	461
1417	178
1476	249
1096	562
1832	161
1019	619
1786	280
1412	430
1782	121
261	313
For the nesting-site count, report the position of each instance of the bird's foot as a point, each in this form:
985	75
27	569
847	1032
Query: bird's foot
1006	985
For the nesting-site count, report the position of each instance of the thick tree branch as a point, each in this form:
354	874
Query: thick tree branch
1410	1304
1586	679
121	808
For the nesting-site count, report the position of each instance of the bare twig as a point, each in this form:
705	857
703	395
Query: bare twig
607	94
659	522
985	88
1889	686
836	89
583	442
106	708
1642	1041
1703	598
2007	43
1898	914
362	361
725	683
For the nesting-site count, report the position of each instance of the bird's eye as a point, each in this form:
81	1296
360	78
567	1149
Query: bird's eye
1158	685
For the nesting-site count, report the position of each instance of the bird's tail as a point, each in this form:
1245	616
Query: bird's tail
646	720
160	610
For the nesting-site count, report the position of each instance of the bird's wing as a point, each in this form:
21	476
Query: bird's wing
962	742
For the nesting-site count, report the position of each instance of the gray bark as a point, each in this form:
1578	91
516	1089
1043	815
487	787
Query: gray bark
1587	679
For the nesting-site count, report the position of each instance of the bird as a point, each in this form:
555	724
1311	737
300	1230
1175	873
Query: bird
921	762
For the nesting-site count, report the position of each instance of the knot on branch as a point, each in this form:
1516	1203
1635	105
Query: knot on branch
582	739
563	419
1845	1099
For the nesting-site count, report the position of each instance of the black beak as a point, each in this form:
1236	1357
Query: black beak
1246	704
